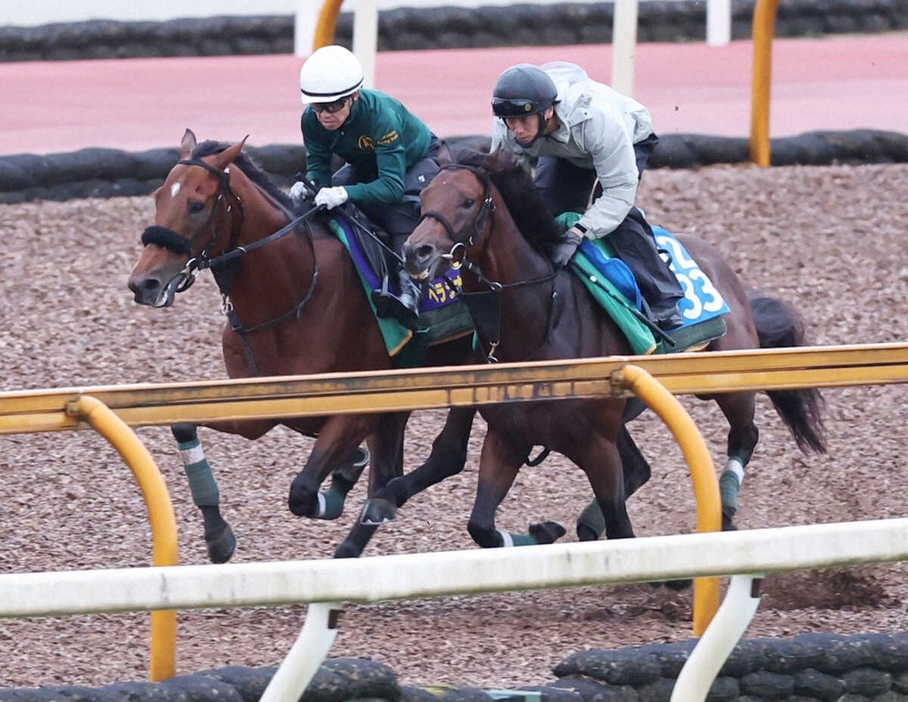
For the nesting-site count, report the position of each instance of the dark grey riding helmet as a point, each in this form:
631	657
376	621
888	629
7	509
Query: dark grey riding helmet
523	90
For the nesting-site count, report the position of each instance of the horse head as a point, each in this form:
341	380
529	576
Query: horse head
465	203
195	213
457	209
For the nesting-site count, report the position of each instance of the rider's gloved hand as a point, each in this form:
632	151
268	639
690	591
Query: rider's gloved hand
331	197
299	191
567	247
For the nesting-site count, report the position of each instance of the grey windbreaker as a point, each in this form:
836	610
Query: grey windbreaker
598	130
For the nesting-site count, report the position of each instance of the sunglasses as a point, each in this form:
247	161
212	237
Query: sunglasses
330	107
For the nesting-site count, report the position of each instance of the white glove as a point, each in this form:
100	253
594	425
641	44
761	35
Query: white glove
299	191
331	197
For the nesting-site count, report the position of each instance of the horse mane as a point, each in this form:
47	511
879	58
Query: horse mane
245	163
532	216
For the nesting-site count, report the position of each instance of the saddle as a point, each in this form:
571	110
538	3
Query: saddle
611	283
443	317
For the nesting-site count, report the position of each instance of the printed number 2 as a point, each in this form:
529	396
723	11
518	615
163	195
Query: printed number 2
698	289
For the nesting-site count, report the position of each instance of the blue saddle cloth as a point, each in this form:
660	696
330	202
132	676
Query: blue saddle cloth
612	283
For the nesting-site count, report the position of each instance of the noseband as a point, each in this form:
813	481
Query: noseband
224	266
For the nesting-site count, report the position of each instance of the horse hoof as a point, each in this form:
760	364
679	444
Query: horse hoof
347	550
727	523
378	511
221	545
547	532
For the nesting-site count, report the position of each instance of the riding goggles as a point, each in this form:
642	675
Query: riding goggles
330	107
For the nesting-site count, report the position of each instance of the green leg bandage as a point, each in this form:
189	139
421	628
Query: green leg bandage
508	539
729	486
330	503
204	489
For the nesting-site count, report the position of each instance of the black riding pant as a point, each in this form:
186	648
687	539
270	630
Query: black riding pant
397	219
569	188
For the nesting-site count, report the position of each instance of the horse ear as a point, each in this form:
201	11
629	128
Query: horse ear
187	144
226	157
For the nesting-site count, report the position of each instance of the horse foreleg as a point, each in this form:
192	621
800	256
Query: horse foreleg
343	478
447	458
219	536
601	461
388	450
743	435
499	464
338	440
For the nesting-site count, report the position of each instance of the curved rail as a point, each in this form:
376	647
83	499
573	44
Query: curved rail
703	474
161	516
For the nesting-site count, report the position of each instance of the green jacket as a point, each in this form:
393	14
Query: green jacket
380	138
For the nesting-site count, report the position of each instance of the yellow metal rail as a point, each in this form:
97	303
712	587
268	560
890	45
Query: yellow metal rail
703	474
160	514
383	391
111	410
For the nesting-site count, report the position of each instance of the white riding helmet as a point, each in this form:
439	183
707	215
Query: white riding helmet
330	74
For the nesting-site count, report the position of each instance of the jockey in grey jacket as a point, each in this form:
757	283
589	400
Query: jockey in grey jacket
590	140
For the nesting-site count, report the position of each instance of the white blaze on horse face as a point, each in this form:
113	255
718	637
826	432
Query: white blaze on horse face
174	189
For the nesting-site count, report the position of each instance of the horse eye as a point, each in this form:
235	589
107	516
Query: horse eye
468	203
195	207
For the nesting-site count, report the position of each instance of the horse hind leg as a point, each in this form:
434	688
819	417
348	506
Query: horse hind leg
743	436
637	471
219	538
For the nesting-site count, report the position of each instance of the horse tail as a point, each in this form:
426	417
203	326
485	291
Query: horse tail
780	326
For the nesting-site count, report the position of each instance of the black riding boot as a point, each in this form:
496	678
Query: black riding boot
635	244
403	306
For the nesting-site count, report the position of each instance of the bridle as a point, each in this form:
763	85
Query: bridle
485	306
224	266
458	252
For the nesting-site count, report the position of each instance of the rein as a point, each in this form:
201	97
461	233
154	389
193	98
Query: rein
224	266
485	306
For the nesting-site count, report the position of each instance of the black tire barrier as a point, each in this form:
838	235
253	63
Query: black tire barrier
104	173
806	668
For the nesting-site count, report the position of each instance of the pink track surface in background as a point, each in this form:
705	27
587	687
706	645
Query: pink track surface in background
835	83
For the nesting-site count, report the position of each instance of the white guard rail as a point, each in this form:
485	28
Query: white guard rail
328	583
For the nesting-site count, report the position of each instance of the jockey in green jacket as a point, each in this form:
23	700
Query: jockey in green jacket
389	154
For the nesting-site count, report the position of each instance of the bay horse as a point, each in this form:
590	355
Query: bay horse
295	305
485	212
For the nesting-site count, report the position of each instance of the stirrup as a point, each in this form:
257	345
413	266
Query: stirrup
388	305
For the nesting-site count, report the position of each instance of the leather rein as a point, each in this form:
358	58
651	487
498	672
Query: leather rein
224	266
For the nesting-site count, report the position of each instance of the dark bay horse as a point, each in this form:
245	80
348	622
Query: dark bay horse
485	212
295	305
